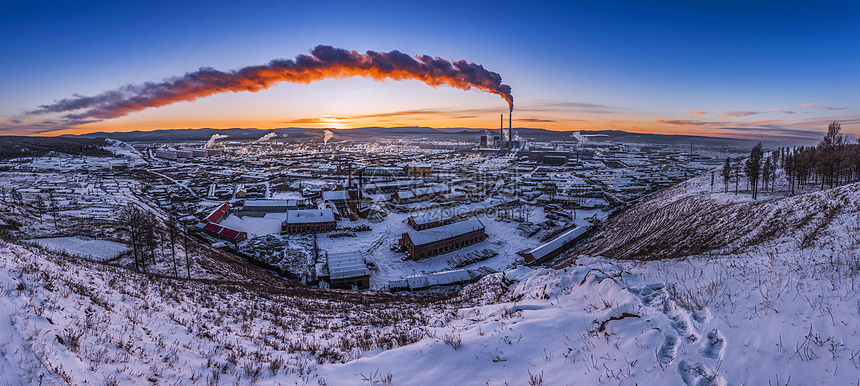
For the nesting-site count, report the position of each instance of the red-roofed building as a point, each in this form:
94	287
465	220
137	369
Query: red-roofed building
219	214
225	233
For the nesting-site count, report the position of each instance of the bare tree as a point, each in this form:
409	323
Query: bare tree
788	164
727	174
17	197
40	206
830	159
187	259
752	168
54	207
767	172
171	229
131	218
712	180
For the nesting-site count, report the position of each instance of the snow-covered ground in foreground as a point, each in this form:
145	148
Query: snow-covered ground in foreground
717	322
765	317
84	247
780	311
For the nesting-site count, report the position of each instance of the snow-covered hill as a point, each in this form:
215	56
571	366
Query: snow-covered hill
68	321
762	308
691	219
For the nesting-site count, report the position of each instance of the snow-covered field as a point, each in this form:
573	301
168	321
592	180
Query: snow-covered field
754	319
84	247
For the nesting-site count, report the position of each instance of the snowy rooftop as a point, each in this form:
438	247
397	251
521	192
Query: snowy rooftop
431	189
335	195
309	216
438	278
342	265
557	242
405	194
431	217
259	203
445	232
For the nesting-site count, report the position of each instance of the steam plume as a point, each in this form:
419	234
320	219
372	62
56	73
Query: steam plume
212	139
327	135
580	138
266	137
322	63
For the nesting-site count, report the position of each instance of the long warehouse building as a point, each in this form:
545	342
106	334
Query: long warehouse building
443	239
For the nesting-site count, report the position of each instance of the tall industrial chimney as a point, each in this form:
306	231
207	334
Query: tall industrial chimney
502	132
510	132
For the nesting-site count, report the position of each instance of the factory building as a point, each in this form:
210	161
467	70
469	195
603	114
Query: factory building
340	198
443	239
348	269
252	207
418	170
166	154
429	220
173	155
309	221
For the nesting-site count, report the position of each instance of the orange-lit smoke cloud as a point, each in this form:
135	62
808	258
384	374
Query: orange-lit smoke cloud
323	62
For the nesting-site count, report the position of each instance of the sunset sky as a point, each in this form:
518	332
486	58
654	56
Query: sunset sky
726	68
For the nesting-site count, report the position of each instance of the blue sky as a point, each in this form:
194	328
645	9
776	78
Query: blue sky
778	68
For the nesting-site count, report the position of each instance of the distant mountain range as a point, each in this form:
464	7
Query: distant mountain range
17	146
408	133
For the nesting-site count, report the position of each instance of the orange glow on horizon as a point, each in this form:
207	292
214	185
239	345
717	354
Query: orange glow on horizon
336	123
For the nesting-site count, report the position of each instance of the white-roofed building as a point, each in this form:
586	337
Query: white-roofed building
270	206
309	220
443	239
556	246
348	269
426	281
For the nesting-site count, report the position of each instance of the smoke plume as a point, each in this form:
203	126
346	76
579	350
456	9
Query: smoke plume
327	135
581	139
212	139
322	63
266	137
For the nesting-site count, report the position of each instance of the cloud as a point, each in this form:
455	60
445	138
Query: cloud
746	113
310	120
696	112
685	122
467	113
565	106
534	120
820	107
778	131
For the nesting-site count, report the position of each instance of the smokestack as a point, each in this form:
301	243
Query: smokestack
510	131
361	184
502	132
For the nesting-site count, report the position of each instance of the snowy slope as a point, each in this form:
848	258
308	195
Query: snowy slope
690	219
68	321
781	310
752	320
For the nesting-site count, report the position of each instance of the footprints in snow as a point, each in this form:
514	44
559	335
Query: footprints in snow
714	345
697	374
683	321
666	353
